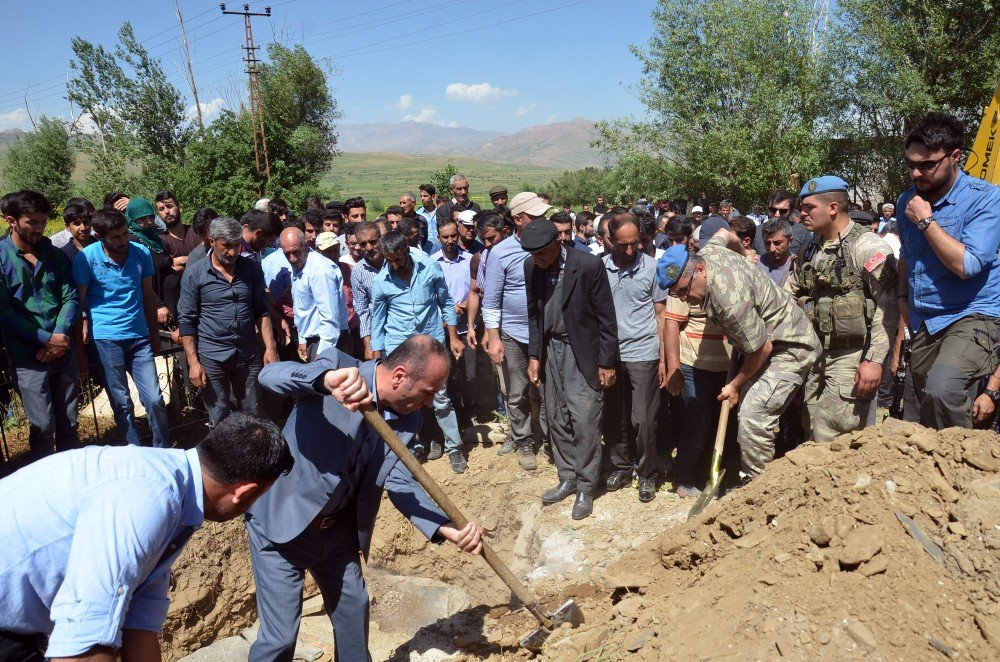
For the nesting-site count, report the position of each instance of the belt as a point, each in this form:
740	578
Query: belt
323	521
846	343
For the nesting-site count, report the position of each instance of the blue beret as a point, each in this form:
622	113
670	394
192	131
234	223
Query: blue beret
824	184
671	265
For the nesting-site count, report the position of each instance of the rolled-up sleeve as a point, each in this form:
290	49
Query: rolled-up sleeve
189	304
493	293
121	538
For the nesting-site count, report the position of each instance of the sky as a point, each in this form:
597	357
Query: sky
497	65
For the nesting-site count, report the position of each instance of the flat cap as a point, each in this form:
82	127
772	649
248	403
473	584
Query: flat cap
498	190
863	217
538	235
824	184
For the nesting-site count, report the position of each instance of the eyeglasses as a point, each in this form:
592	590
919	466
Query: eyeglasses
778	211
682	292
923	166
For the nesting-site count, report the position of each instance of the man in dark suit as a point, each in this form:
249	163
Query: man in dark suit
573	338
323	512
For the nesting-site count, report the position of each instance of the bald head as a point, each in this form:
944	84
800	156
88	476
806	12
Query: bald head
293	245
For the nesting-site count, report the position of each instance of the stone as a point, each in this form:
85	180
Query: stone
861	635
990	627
782	557
306	653
839	444
629	607
640	640
876	566
230	649
468	640
823	532
768	580
944	490
625	576
925	440
313	606
958	529
981	460
860	545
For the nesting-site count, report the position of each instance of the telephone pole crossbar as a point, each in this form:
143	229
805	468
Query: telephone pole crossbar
256	108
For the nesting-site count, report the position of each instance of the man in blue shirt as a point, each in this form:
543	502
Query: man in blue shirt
505	315
87	537
949	275
115	280
222	306
368	236
411	297
38	308
427	211
318	301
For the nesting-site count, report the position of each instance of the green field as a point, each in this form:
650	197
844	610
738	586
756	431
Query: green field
381	177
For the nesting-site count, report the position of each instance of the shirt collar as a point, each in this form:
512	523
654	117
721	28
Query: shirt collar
609	262
194	501
952	193
458	258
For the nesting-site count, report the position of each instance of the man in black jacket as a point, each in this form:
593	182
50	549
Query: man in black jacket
573	337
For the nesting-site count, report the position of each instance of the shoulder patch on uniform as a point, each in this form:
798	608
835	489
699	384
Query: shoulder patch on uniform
875	261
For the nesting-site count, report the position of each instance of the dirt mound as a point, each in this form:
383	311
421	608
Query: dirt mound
883	543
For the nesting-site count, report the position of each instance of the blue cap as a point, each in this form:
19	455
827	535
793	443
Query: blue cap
824	184
671	265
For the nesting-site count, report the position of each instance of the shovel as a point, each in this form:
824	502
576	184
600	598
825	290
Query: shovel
569	612
715	478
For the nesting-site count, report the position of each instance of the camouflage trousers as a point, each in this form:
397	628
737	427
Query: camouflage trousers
832	408
763	401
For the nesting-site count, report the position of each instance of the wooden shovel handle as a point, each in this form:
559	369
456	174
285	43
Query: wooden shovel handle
451	510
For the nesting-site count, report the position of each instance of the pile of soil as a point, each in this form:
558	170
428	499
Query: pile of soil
820	558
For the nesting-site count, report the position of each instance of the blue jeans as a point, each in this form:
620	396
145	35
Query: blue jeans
698	424
135	357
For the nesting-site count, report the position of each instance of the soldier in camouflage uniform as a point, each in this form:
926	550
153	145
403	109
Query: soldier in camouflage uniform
845	281
761	321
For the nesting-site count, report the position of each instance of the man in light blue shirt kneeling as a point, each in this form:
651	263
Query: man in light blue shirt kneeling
87	537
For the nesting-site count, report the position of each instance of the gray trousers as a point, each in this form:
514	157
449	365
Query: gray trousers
574	416
332	557
49	393
232	380
524	402
636	396
946	364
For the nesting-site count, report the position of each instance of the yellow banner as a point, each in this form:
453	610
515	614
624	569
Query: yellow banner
982	160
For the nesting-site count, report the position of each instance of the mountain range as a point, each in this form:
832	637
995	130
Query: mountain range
555	145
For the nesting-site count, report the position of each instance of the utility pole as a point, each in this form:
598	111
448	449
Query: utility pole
190	71
256	109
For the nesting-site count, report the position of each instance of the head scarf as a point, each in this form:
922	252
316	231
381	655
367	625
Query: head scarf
140	208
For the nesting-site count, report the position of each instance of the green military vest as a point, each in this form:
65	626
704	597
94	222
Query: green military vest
833	296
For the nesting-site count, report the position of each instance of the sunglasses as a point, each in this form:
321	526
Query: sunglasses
777	211
923	166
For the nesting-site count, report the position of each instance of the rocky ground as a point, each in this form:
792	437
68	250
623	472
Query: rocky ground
883	544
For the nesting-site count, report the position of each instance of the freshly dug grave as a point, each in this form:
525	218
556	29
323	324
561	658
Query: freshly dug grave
813	560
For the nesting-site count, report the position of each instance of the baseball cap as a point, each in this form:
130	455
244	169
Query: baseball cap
327	240
528	203
670	265
824	184
465	217
696	209
538	235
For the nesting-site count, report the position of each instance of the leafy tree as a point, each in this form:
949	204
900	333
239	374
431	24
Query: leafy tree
42	160
440	179
736	90
579	186
905	58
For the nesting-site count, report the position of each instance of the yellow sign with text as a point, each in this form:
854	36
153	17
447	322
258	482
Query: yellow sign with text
982	160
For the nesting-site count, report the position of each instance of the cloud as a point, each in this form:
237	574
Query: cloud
405	101
525	109
209	111
15	119
476	92
426	114
552	118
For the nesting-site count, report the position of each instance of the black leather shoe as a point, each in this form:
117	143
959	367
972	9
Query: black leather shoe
647	489
618	479
583	506
564	489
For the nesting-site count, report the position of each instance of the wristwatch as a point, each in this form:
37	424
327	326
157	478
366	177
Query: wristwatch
994	395
923	223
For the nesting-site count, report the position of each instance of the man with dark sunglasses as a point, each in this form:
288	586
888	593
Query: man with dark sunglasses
781	204
949	274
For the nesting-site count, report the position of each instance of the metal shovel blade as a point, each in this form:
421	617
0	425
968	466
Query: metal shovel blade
569	612
710	492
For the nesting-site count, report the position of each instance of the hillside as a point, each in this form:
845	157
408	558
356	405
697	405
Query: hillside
564	145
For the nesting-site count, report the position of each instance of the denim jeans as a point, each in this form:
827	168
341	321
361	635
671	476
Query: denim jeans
135	357
698	424
50	394
234	379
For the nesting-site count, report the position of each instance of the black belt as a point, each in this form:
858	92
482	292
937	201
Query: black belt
846	343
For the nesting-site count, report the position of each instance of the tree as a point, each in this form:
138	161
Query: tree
42	160
905	58
579	186
440	179
737	91
141	128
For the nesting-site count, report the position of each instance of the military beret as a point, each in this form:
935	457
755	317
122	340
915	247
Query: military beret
671	265
538	235
861	216
824	184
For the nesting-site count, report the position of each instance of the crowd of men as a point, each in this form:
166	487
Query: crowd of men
608	337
